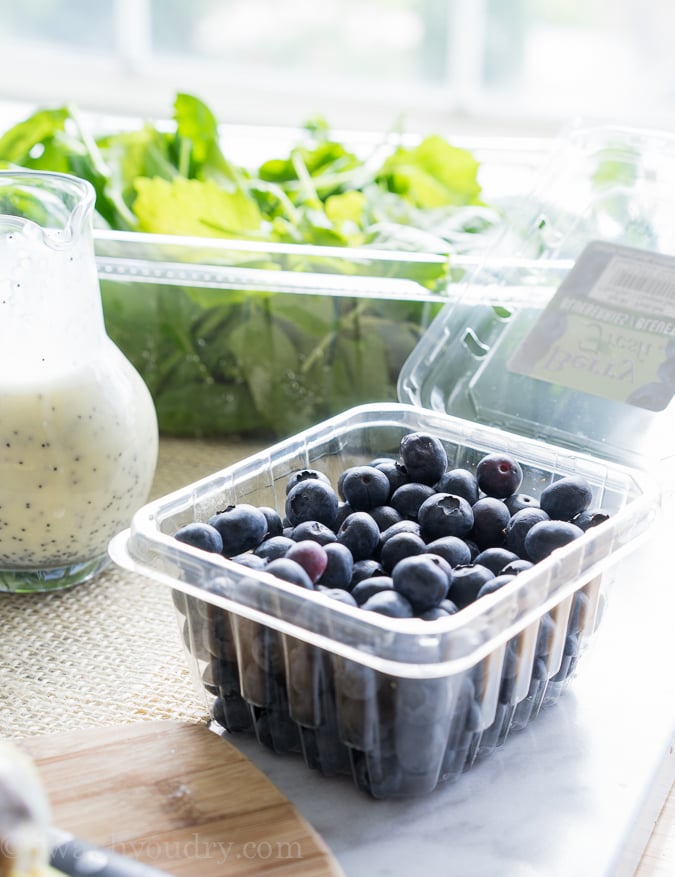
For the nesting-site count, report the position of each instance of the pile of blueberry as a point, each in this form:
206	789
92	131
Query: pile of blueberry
406	537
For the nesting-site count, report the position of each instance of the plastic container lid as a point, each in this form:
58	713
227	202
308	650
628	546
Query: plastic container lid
566	331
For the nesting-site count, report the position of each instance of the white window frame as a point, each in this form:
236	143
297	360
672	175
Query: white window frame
132	82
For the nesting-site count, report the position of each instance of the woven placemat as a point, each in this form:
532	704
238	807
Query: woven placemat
108	651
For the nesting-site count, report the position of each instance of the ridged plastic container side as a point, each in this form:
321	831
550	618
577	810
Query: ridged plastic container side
394	736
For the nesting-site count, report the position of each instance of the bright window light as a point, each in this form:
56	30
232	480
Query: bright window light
478	65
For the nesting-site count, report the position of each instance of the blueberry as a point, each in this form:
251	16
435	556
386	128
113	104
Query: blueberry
311	556
461	482
443	564
242	527
314	530
365	589
519	501
249	560
490	518
364	569
381	461
360	534
408	498
434	613
338	594
467	582
344	509
398	547
473	548
218	585
364	487
223	673
494	585
448	606
339	566
389	603
204	536
312	500
305	475
451	548
394	470
546	536
290	571
275	546
516	567
384	516
589	518
422	580
403	526
232	712
566	497
518	527
444	514
424	457
495	559
273	518
499	475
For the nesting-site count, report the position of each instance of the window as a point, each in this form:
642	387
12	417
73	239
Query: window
478	65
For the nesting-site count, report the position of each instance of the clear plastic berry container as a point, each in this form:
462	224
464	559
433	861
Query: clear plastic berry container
400	704
403	704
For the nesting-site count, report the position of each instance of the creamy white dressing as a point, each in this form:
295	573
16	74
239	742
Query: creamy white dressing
77	457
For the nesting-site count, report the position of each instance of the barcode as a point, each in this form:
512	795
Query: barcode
641	283
638	287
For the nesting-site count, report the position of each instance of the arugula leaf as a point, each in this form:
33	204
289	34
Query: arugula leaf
318	159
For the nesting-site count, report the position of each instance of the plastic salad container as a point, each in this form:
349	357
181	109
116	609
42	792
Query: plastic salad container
403	704
230	345
196	220
243	339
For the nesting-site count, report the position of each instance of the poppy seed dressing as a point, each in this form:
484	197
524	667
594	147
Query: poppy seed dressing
72	470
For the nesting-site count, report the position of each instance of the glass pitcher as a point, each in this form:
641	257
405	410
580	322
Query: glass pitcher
78	429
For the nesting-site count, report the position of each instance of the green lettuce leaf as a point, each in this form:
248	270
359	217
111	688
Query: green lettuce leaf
194	207
432	174
197	149
17	143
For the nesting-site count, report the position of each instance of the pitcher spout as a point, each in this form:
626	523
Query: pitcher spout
53	207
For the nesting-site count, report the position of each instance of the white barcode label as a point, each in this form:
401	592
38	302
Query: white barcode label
609	330
637	285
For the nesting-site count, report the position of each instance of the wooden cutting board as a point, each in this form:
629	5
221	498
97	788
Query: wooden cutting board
179	797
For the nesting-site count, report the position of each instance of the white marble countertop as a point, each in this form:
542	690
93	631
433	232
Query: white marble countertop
576	793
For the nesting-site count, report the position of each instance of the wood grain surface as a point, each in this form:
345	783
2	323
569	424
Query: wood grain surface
176	796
